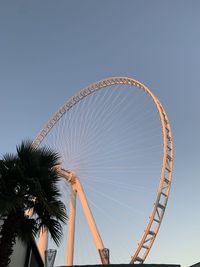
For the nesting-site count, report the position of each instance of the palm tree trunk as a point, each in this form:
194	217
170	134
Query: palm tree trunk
8	236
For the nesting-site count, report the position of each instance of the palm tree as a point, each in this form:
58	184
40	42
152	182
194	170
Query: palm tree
29	181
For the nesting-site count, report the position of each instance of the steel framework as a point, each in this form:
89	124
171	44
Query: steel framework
163	190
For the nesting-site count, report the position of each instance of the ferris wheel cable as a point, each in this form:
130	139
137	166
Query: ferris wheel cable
114	200
110	180
81	125
105	214
117	158
115	218
122	186
75	122
142	134
123	170
69	133
118	166
102	211
108	156
80	253
106	98
89	114
69	136
82	163
111	220
104	111
116	154
134	171
89	146
84	155
119	169
135	83
98	163
113	171
105	128
94	126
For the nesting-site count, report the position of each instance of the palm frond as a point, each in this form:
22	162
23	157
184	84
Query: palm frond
27	229
55	229
28	180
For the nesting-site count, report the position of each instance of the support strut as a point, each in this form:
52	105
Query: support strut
71	229
77	187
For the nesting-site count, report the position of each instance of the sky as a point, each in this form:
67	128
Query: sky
49	50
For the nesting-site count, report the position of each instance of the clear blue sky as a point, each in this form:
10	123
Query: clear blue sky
51	49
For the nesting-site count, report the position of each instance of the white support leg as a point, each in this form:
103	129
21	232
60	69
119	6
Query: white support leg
91	222
77	187
71	228
42	243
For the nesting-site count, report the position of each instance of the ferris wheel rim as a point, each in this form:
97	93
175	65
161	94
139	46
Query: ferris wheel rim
163	190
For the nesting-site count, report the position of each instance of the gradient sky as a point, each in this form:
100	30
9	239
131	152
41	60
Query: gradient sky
51	49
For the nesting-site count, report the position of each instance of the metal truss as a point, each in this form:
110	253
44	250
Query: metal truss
163	190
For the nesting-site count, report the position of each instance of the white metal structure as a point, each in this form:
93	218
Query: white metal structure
156	216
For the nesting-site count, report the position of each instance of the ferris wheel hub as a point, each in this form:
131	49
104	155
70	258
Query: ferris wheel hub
67	174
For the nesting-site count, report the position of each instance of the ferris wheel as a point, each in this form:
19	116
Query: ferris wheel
116	148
